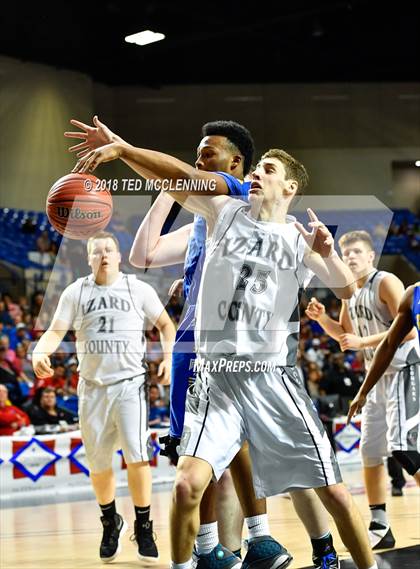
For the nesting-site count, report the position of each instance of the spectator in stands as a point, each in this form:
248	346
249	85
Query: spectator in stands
313	376
9	377
46	412
24	304
13	308
57	382
340	380
5	317
59	357
315	354
43	242
73	377
22	333
154	351
358	362
28	226
159	411
43	255
9	353
28	320
334	308
11	418
36	304
23	365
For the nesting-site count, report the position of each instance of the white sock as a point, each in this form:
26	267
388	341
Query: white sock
374	566
207	538
185	565
257	526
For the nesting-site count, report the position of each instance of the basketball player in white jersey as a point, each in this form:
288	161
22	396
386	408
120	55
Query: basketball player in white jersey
151	249
288	445
364	322
107	310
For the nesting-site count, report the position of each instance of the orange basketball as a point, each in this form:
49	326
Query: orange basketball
79	205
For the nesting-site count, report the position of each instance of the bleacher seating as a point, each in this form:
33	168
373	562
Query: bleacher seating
15	243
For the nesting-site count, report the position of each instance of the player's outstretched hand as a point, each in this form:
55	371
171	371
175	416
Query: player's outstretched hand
176	288
92	136
164	371
319	239
356	406
315	309
42	365
350	342
92	159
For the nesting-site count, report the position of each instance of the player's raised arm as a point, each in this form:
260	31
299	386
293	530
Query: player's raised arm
150	248
400	328
154	165
323	260
93	137
200	194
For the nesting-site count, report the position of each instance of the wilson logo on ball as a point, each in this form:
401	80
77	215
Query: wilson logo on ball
77	213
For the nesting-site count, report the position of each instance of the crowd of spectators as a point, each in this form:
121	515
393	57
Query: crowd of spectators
332	378
50	404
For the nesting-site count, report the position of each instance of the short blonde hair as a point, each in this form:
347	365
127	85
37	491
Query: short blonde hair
352	236
102	235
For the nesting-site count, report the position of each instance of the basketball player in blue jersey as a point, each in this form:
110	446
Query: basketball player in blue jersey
279	467
107	310
225	147
408	315
364	321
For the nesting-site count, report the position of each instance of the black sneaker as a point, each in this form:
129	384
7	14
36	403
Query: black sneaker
327	561
145	539
396	491
114	529
265	553
381	536
171	443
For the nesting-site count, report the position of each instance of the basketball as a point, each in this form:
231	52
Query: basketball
79	205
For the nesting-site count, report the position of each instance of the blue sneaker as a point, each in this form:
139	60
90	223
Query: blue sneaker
328	561
266	553
218	558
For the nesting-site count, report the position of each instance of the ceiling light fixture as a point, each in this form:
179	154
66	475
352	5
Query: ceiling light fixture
145	37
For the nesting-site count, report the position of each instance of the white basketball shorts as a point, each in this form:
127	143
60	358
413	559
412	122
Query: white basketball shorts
113	417
391	416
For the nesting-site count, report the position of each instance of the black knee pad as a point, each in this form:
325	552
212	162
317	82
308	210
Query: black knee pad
409	460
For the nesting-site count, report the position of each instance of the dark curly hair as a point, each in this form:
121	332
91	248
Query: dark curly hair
239	137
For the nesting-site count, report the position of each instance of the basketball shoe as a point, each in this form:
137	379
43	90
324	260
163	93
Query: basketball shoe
145	539
114	529
265	553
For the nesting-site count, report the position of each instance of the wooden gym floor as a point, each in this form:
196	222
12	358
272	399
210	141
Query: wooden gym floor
67	535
